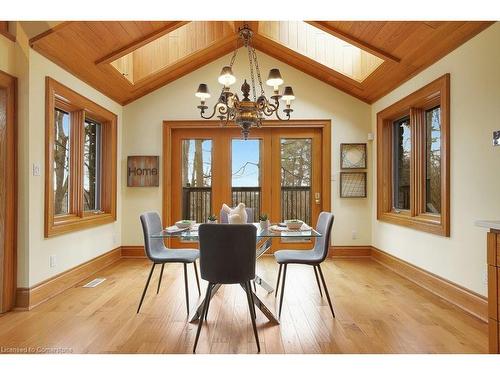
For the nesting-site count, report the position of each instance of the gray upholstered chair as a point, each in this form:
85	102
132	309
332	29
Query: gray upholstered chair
227	256
159	254
312	257
224	219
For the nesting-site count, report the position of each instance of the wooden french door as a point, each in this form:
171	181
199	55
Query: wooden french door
7	192
279	170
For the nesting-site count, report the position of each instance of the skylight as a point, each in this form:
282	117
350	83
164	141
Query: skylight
322	47
170	48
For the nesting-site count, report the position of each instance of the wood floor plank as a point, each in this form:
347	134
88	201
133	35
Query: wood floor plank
377	311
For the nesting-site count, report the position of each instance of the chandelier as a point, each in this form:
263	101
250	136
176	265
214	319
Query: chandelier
246	113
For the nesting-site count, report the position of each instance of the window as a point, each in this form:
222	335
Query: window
80	162
413	160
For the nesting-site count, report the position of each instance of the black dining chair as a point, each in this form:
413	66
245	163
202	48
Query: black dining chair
227	256
159	254
313	257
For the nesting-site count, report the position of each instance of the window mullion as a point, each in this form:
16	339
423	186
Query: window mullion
78	118
418	160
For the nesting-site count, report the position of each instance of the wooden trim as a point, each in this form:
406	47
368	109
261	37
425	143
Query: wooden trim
28	298
354	41
138	43
349	251
4	30
463	298
133	252
57	27
435	93
80	107
8	196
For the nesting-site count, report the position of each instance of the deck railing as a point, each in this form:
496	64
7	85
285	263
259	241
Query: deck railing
295	202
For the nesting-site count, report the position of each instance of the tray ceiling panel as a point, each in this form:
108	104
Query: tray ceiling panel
126	60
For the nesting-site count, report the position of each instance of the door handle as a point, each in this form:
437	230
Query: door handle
317	198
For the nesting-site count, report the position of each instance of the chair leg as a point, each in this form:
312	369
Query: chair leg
282	290
326	290
186	287
208	302
251	307
254	286
146	287
317	280
197	278
203	313
278	282
159	280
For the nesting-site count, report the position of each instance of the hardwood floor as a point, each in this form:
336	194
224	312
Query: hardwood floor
377	312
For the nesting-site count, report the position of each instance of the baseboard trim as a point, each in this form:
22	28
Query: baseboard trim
465	299
349	251
133	252
28	298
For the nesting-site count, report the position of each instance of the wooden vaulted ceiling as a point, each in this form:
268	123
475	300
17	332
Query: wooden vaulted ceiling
127	59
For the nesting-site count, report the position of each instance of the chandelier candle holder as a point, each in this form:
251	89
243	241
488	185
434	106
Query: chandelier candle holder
246	113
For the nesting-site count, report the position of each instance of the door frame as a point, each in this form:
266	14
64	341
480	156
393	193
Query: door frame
169	126
8	261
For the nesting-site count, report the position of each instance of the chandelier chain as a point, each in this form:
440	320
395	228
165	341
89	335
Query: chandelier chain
250	60
257	69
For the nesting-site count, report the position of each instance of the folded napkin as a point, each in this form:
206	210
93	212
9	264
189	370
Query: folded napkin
277	228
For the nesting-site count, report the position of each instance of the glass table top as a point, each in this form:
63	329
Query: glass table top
271	232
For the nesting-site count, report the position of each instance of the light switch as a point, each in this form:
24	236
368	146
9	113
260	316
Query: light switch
36	169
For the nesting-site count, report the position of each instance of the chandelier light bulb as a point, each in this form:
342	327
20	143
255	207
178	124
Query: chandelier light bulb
288	95
202	92
274	79
226	77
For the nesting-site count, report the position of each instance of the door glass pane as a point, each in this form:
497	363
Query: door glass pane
296	171
401	163
92	166
61	162
245	175
433	161
196	179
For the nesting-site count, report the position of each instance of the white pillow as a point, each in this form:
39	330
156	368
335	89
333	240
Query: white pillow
237	215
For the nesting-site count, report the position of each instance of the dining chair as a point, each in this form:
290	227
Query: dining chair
313	257
159	254
227	256
224	219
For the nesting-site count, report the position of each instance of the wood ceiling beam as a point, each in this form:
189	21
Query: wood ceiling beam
138	43
354	41
58	27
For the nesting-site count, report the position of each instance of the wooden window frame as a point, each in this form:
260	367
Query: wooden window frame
436	93
80	108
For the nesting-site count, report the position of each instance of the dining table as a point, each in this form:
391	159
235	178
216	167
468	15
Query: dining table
265	237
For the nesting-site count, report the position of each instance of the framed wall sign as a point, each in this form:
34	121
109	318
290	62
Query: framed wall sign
496	138
353	156
353	185
143	171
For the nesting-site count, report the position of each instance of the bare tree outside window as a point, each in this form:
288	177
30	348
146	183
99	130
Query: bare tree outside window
296	169
196	179
401	163
91	165
61	162
433	160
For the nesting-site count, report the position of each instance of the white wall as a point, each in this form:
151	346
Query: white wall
475	165
315	100
33	249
